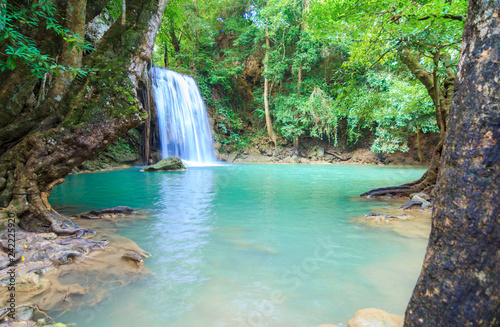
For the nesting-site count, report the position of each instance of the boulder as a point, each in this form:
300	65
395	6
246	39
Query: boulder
167	164
320	151
375	318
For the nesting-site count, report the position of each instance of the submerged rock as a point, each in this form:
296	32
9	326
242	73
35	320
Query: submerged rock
375	318
167	164
108	213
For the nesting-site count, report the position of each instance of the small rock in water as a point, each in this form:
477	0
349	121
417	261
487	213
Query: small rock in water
114	210
375	318
136	257
109	213
24	314
167	164
421	195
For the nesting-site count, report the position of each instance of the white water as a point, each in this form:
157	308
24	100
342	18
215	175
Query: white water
182	118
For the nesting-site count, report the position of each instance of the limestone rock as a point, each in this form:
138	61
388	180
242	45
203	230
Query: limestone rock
375	318
167	164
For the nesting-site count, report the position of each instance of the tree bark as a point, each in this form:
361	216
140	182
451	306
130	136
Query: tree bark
460	280
80	119
419	146
165	56
269	124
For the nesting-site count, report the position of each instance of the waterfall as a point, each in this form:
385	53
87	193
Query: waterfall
182	118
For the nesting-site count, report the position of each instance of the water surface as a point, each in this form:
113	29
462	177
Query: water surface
251	245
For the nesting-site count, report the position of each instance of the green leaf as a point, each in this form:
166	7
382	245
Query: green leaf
11	63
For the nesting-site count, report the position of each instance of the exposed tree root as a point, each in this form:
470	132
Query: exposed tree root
423	184
35	214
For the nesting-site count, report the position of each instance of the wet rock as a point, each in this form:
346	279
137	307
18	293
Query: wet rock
375	318
31	282
115	211
167	164
24	314
417	200
421	195
137	257
382	217
36	254
20	324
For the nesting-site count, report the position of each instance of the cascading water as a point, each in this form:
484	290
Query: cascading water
182	118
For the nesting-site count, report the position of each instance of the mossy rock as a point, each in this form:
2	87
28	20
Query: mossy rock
167	164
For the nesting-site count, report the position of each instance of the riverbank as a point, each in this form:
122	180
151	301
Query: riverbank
57	274
314	151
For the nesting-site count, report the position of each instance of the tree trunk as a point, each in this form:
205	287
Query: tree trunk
441	96
460	280
419	146
269	124
77	122
165	56
124	12
299	79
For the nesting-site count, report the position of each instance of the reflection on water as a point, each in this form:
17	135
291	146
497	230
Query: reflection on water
253	245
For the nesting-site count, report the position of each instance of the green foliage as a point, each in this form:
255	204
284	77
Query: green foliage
346	53
392	106
114	8
17	47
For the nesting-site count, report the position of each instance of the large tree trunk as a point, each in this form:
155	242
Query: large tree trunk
441	95
79	118
460	280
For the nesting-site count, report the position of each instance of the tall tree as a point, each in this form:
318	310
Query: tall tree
422	36
460	280
269	123
79	117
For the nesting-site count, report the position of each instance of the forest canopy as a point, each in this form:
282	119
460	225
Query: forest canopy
335	70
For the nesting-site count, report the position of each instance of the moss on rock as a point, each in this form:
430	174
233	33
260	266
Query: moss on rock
167	164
